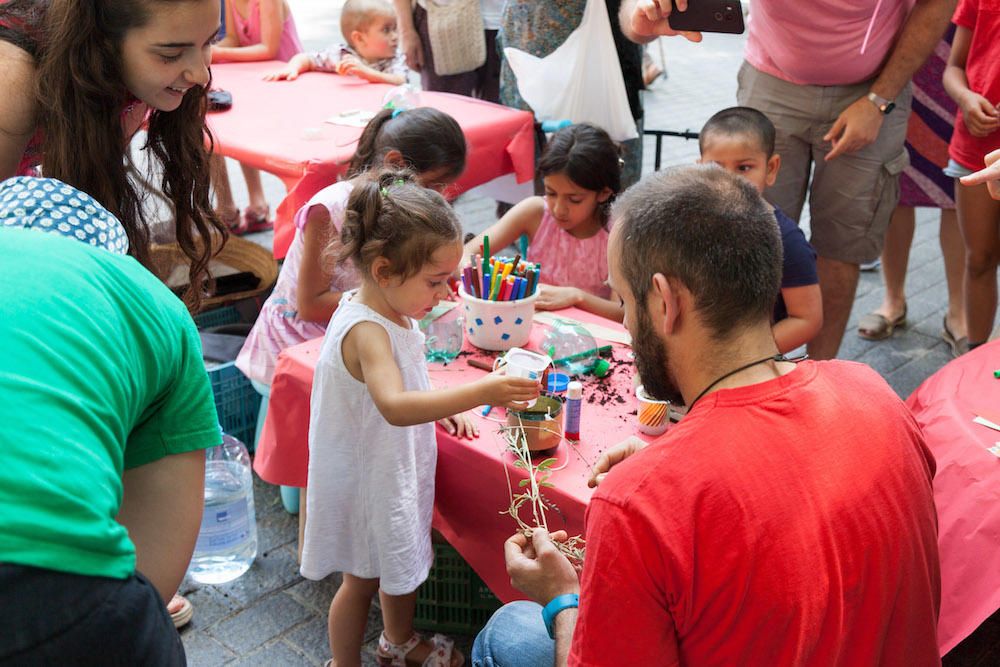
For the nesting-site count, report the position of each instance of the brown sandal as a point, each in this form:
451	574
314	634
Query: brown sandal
876	326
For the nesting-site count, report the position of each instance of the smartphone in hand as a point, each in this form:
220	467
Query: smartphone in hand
724	16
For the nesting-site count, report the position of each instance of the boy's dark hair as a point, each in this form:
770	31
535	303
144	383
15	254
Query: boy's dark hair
427	138
390	215
708	230
740	121
586	155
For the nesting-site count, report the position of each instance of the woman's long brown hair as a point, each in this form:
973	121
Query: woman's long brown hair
81	95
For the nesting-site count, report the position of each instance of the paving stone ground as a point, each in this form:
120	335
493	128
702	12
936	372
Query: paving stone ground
272	616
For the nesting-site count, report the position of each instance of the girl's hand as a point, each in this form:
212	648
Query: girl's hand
979	114
551	297
509	392
460	425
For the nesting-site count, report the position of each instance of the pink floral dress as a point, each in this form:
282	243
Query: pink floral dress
279	326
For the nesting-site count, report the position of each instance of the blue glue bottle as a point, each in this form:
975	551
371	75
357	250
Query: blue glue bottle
574	402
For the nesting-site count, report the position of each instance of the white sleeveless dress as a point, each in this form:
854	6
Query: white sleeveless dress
371	484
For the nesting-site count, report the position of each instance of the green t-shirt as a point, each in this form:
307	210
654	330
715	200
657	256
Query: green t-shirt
100	370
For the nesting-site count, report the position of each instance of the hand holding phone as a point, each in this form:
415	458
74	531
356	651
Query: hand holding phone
725	16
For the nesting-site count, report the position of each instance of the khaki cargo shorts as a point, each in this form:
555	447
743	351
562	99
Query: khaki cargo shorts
852	197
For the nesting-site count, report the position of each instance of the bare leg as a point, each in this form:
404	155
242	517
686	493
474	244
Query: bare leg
895	258
978	215
397	616
953	252
348	618
255	189
838	281
224	204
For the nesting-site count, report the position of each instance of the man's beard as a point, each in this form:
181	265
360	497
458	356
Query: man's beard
651	362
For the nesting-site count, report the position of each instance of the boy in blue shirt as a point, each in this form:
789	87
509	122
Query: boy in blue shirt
741	141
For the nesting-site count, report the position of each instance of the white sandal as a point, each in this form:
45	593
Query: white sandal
394	655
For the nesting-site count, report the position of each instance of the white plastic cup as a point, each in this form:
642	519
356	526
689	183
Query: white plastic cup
523	364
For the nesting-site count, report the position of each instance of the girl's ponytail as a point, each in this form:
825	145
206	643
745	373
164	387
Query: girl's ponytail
364	156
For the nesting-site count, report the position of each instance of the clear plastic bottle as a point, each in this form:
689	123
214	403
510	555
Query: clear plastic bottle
227	541
573	349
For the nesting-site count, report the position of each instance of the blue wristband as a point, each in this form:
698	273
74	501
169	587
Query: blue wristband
556	605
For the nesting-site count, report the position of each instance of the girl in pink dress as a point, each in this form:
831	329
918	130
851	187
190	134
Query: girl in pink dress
255	30
568	227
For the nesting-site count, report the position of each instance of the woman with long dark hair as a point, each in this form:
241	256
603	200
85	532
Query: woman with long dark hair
80	77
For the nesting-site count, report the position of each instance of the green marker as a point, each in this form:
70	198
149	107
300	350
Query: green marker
596	352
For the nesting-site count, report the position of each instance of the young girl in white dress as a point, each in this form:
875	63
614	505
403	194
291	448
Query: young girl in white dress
372	446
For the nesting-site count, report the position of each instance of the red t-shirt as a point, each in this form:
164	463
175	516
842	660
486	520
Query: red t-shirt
790	522
982	69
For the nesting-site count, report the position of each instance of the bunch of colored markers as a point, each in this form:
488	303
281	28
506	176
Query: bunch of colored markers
499	278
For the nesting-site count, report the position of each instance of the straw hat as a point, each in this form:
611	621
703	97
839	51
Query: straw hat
238	255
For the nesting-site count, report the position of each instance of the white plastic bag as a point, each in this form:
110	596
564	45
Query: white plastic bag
580	81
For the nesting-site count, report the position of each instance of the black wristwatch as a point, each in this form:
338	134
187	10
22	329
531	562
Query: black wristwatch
882	104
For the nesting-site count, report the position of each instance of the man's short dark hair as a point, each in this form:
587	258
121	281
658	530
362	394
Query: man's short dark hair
740	121
711	231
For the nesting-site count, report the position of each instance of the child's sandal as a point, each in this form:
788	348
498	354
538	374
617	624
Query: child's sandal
441	655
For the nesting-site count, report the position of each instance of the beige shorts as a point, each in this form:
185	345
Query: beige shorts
851	198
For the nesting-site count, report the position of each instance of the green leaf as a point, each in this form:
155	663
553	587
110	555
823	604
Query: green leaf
524	482
549	485
547	463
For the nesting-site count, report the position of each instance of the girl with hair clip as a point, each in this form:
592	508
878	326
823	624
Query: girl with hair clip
568	228
372	448
309	288
258	30
81	76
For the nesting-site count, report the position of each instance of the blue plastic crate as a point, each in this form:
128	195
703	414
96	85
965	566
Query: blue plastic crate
236	401
217	317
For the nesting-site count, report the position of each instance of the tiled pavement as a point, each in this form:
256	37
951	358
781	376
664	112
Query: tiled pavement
272	616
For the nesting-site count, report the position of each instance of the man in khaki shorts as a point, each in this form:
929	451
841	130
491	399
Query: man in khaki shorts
833	76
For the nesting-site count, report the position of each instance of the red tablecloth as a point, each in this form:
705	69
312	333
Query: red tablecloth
471	488
966	487
266	128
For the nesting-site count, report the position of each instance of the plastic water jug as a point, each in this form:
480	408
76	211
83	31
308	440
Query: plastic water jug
227	541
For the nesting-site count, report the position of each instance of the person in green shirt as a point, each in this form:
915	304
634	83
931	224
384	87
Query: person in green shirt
106	407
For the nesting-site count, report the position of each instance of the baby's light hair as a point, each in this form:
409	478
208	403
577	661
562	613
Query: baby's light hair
358	15
390	215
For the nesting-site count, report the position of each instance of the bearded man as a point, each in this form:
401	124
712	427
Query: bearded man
787	519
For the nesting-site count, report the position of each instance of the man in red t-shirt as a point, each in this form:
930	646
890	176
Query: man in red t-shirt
788	519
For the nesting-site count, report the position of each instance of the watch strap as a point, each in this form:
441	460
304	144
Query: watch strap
882	104
556	605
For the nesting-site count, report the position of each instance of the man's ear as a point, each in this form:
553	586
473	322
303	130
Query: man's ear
663	304
773	165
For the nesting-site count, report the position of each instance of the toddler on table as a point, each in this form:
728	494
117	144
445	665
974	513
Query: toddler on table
369	26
